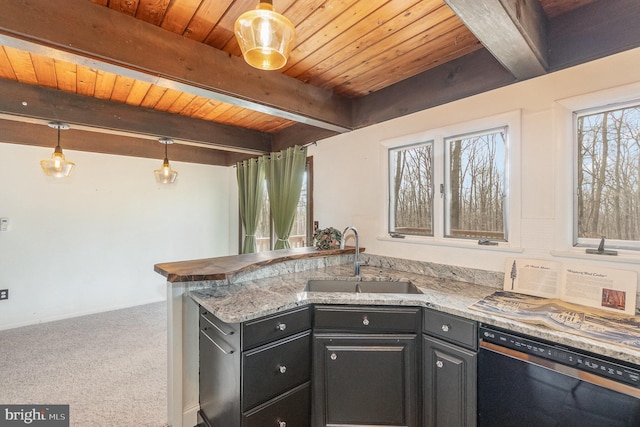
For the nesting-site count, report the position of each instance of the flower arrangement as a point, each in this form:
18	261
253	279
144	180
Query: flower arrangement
327	238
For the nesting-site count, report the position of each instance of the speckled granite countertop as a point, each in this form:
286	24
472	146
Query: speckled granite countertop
448	289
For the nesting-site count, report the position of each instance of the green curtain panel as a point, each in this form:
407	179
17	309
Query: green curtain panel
285	172
250	175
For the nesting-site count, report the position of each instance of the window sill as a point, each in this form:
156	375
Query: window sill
623	257
450	243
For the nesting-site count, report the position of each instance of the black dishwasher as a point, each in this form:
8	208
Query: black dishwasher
526	382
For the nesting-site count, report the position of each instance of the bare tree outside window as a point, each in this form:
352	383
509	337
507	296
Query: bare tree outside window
411	195
301	229
608	174
476	183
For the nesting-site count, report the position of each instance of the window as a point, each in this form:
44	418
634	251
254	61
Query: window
476	183
456	184
301	232
411	175
607	201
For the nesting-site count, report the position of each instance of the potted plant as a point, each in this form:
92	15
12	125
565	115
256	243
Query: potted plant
327	238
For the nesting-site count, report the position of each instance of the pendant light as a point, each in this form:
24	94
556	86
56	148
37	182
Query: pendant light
57	166
265	37
165	175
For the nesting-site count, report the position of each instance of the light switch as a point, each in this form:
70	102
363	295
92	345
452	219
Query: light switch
4	224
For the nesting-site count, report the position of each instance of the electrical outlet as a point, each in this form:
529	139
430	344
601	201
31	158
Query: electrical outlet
4	294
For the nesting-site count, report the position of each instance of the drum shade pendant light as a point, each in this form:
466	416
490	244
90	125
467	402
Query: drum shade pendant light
57	166
265	37
165	175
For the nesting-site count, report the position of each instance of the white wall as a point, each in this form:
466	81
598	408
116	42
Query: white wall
350	178
89	243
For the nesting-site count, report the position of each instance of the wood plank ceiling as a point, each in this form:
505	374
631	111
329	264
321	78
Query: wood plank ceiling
135	70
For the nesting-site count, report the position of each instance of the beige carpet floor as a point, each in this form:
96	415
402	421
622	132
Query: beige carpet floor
111	368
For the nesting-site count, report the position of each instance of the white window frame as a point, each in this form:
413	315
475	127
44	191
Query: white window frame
390	195
566	155
447	177
511	120
583	242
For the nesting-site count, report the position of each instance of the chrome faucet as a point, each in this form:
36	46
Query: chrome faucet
356	263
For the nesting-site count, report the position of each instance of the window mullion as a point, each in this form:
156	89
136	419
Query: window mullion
440	197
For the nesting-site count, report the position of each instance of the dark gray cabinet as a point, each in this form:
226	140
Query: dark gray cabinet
256	373
449	369
361	366
365	366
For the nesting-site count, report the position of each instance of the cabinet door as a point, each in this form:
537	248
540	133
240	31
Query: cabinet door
449	385
364	380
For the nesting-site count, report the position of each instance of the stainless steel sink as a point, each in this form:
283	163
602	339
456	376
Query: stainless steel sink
362	286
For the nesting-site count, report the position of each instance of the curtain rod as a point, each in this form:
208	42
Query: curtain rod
302	146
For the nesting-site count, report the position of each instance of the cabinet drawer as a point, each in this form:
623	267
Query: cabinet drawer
274	368
367	319
267	329
292	409
451	328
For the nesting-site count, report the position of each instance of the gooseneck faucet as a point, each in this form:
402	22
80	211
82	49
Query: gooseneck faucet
356	263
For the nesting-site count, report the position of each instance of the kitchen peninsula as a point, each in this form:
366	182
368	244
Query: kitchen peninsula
245	287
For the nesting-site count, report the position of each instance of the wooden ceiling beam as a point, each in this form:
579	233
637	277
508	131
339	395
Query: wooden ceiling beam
593	31
81	140
20	99
41	135
514	31
299	134
96	36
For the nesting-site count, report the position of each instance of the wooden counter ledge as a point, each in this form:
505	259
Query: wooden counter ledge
221	268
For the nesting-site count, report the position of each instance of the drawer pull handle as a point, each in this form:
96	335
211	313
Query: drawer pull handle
226	349
439	364
282	423
365	321
224	330
334	356
282	369
446	328
281	326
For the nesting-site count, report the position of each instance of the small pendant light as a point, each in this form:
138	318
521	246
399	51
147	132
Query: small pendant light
165	175
265	37
57	166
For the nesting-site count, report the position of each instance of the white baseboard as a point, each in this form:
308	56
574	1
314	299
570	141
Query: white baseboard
190	416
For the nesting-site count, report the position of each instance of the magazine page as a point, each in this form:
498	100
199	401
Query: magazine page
533	277
566	317
603	288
